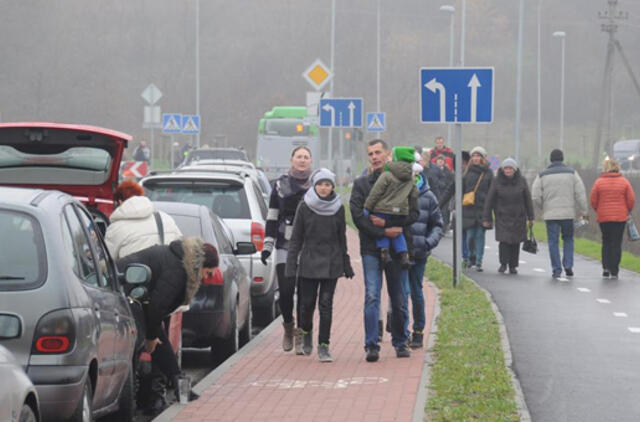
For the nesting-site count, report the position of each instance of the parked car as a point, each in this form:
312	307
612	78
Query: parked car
216	153
241	168
219	315
77	335
18	396
238	201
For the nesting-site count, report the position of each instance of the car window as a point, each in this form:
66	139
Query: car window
22	252
107	277
227	199
188	225
84	255
221	236
261	202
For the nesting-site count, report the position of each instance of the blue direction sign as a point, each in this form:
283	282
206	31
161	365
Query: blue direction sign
190	124
341	112
456	95
171	123
376	122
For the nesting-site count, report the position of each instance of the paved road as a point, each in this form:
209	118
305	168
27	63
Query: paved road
575	343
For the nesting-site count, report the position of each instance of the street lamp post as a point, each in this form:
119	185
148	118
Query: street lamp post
539	65
452	13
562	36
519	79
197	46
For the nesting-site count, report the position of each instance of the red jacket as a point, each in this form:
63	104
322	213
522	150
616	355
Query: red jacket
612	197
448	156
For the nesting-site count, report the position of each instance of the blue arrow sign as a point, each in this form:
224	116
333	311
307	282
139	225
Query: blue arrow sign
341	112
171	123
191	124
456	95
376	122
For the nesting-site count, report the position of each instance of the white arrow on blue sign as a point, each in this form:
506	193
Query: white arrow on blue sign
341	112
190	124
171	123
456	95
376	122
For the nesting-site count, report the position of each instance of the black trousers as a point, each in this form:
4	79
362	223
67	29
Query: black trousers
308	289
612	233
509	254
287	288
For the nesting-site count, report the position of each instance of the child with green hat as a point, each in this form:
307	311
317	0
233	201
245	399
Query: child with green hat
392	197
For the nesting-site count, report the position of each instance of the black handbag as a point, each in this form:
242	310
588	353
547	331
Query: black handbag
530	245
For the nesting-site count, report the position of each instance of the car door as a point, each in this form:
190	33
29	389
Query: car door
102	304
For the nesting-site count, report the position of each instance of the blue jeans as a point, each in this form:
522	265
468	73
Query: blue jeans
465	247
554	228
416	275
373	287
398	243
476	235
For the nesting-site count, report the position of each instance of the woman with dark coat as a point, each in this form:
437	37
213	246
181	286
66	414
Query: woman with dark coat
509	201
318	257
287	193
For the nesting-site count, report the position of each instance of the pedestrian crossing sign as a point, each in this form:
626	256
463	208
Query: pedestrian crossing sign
171	123
191	124
376	122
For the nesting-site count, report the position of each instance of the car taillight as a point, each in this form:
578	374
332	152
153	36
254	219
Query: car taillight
257	235
258	279
215	279
55	333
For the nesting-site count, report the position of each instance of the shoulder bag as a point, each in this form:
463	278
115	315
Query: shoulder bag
469	198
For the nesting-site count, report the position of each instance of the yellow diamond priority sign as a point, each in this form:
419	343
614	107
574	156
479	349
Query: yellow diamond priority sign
317	74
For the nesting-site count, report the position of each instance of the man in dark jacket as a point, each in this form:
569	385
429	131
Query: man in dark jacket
440	179
370	229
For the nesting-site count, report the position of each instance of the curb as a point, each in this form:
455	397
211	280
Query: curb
429	360
213	376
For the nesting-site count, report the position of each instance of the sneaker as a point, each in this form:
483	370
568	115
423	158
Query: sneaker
403	351
416	340
307	342
478	268
298	341
372	354
605	273
502	268
385	256
513	270
380	330
568	272
323	353
405	263
556	275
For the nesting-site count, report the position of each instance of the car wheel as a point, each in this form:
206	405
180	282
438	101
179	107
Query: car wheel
221	349
84	411
126	402
245	333
27	414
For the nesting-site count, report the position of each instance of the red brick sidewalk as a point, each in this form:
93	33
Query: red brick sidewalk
267	384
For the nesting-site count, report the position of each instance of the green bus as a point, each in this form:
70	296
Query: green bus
279	132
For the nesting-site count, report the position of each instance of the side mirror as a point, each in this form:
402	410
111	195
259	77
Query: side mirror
137	274
245	248
10	327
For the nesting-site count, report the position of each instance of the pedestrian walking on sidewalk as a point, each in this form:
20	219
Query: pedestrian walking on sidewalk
559	192
613	199
426	234
288	191
370	228
440	180
318	257
509	203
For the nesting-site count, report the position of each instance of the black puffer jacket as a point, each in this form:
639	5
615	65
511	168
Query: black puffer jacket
472	214
509	200
318	245
427	231
175	278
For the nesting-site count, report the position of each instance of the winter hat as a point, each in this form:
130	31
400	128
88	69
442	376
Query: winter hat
405	154
510	162
479	150
556	155
323	174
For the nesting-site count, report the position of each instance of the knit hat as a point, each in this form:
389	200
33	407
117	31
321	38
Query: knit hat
323	174
405	154
510	162
556	155
479	150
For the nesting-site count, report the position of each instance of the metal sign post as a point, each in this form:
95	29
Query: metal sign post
457	261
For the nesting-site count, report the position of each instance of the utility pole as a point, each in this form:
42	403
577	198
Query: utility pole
457	233
333	44
198	70
519	79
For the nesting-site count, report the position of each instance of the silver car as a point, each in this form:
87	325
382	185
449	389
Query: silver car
239	202
18	396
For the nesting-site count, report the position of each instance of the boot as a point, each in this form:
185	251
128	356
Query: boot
385	257
323	353
297	340
287	339
416	340
307	346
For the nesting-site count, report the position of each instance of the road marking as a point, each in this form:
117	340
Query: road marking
538	270
565	280
601	300
286	384
634	330
620	314
522	262
487	247
580	289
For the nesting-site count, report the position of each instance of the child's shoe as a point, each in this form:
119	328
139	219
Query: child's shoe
385	256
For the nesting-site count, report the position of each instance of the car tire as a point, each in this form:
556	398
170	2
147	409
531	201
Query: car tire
245	333
221	349
126	402
27	414
84	411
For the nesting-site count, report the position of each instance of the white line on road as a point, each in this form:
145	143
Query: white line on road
522	262
634	330
581	289
620	314
601	300
487	247
538	270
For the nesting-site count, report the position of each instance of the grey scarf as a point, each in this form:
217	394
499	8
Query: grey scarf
321	206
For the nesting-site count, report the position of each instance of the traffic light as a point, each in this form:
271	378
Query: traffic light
353	135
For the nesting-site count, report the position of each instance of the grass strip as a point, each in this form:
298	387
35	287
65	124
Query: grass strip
589	248
469	381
